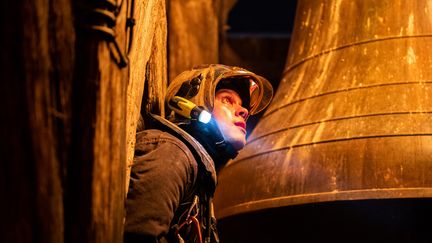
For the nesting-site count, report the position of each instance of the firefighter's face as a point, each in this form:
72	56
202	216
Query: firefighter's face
231	117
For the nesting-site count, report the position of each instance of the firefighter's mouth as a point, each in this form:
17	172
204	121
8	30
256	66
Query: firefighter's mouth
242	125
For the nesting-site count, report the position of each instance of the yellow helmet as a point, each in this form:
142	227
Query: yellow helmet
199	86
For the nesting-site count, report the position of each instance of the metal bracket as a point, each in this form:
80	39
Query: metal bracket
100	17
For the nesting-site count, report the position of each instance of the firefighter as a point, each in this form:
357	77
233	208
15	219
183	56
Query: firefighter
173	176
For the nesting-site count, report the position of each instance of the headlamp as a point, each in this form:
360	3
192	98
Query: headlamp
188	109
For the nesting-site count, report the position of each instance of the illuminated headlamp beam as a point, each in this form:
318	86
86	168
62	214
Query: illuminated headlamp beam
204	117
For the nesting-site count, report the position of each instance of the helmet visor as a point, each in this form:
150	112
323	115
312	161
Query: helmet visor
260	90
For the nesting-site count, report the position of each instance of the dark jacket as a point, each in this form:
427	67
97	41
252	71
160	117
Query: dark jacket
170	168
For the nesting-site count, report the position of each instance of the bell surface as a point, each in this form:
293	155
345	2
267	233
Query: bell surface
351	121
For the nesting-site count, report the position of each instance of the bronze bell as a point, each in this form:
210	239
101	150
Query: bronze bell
350	122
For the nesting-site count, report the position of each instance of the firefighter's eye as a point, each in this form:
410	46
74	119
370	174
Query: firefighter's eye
227	100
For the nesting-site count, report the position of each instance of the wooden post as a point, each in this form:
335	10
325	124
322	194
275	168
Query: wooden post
193	32
148	68
36	67
69	119
95	182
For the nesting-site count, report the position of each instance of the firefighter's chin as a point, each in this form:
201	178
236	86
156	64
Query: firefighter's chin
236	136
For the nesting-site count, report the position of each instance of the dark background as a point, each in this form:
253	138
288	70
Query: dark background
255	16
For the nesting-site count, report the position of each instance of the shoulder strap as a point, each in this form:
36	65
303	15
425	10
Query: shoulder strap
200	154
197	149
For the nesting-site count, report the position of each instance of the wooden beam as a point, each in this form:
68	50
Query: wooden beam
37	60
